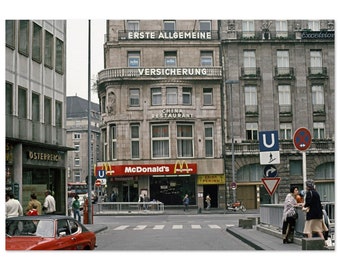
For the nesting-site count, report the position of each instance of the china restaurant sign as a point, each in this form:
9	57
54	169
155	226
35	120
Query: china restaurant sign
180	167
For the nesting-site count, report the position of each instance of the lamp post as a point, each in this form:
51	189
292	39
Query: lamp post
231	82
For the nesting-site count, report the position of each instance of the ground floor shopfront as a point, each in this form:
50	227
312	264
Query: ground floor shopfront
170	181
34	169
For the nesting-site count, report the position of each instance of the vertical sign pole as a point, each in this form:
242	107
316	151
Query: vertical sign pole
304	169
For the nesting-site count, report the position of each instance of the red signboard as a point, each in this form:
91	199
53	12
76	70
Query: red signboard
302	139
180	167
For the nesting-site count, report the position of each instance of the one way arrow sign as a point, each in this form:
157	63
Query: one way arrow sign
271	184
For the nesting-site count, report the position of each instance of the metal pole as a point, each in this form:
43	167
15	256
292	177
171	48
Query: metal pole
231	82
89	175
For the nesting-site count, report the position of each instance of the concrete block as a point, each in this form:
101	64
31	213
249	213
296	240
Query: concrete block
314	243
245	223
253	219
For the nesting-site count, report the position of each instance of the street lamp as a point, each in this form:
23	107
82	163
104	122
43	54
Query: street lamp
231	82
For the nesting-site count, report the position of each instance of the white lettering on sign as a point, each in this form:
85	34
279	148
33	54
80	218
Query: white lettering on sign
172	114
169	35
172	71
265	140
139	169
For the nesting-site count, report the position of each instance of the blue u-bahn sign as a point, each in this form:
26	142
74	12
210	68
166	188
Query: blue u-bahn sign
269	147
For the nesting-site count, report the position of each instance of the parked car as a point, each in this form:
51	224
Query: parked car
48	232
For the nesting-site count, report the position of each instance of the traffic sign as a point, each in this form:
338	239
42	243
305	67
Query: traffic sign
98	183
302	139
270	171
269	147
271	184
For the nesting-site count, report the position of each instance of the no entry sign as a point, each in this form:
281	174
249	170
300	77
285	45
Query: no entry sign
302	139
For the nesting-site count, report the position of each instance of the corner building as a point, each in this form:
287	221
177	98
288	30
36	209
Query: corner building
161	111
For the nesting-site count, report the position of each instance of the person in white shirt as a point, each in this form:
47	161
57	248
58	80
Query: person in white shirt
13	206
49	203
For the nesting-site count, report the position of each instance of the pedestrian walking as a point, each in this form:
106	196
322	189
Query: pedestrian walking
49	203
186	202
33	202
208	201
13	206
314	216
76	208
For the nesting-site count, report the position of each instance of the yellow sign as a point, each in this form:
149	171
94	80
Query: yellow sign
179	166
211	179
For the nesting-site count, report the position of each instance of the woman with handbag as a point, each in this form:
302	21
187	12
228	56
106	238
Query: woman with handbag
314	215
289	215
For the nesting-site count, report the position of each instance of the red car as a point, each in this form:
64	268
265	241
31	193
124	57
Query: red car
48	232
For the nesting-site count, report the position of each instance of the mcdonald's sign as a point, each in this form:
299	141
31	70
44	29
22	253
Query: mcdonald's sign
182	167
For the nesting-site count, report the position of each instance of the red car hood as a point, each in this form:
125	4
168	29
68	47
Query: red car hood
25	243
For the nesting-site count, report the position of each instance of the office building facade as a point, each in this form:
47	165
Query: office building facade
170	125
35	77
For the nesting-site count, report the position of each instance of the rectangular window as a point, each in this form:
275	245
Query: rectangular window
169	26
134	98
103	104
22	103
156	96
160	141
295	167
77	177
113	135
281	28
207	96
316	62
48	61
285	102
205	26
48	110
105	144
248	29
250	93
76	146
314	25
135	137
318	98
76	162
318	130
170	59
249	62
58	114
133	26
59	56
10	33
187	96
209	140
23	37
37	43
251	131
133	59
206	58
76	136
9	98
282	59
185	141
286	131
35	107
171	96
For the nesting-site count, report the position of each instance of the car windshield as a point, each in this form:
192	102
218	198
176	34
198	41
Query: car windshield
43	228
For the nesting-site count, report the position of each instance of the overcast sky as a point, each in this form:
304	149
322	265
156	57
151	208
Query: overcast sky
77	55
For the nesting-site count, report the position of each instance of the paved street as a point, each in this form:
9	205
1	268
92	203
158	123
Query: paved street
168	232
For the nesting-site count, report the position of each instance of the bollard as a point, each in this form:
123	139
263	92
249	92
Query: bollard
199	210
315	243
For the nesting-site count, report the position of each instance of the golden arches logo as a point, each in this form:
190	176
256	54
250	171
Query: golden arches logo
105	166
180	166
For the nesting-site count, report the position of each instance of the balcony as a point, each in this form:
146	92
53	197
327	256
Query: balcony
284	73
317	72
156	73
250	73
